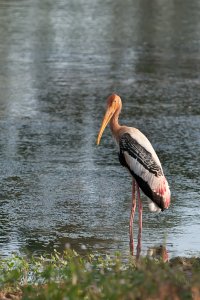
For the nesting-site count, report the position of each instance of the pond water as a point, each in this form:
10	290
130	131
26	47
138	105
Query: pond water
59	61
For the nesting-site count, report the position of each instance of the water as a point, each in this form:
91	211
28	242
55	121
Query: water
59	61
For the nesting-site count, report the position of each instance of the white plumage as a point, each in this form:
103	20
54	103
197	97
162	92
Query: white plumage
156	182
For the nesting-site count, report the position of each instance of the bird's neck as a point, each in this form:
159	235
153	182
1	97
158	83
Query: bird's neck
114	124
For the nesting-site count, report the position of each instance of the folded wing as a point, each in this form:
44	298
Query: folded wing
137	154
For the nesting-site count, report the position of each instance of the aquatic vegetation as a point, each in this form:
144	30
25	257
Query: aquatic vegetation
71	276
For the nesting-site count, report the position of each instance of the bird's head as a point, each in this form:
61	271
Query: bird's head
114	104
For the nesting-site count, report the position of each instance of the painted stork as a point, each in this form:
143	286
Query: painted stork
138	156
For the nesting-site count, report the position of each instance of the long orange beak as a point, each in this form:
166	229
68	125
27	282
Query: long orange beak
108	115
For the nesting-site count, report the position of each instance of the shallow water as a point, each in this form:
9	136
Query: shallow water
59	61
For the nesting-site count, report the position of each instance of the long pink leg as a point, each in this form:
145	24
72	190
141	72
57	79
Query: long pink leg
139	245
132	217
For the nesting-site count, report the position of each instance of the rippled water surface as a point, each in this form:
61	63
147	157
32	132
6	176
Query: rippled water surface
59	61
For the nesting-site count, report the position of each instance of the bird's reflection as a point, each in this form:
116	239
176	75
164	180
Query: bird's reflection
139	242
159	252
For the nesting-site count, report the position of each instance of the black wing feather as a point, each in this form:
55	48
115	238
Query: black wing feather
129	144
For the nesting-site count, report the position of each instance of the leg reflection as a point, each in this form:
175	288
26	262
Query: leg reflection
159	252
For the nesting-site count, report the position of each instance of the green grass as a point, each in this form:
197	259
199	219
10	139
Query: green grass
71	276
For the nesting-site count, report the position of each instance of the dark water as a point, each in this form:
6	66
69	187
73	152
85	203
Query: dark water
59	61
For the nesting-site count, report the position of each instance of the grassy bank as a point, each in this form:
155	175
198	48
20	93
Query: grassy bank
70	276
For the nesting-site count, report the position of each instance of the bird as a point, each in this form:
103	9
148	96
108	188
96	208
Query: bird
136	154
